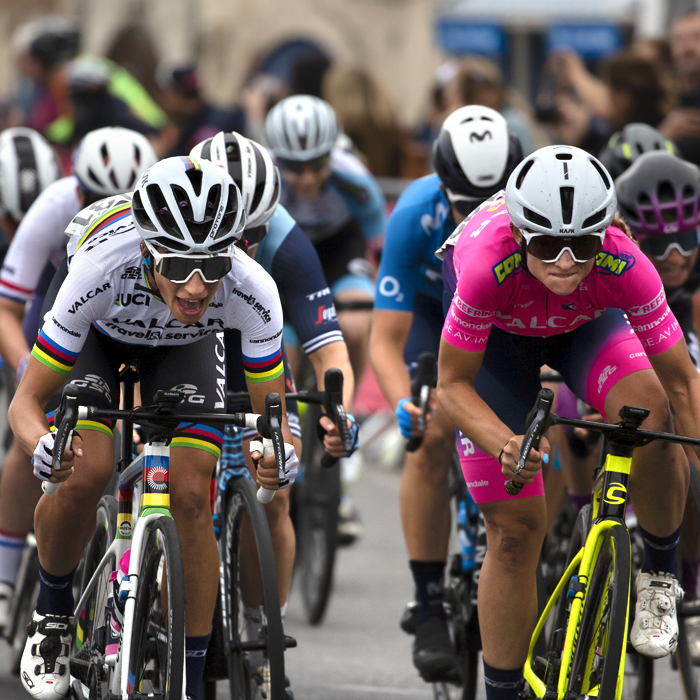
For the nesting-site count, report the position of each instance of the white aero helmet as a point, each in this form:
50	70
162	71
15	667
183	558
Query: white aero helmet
188	206
301	128
252	169
561	191
110	160
28	164
475	152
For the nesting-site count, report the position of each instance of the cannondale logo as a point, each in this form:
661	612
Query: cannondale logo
476	137
158	478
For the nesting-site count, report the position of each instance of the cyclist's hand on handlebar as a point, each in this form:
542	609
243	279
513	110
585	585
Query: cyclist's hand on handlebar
43	458
332	442
407	413
266	467
511	454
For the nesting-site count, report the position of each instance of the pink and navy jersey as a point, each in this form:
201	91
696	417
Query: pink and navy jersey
494	288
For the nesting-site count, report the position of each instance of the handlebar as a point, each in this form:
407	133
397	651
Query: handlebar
333	406
539	421
164	414
421	385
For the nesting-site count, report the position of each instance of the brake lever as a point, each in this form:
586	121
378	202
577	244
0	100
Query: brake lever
64	432
270	427
537	428
333	405
420	395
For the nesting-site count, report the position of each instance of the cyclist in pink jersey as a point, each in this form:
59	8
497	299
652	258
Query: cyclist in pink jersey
546	275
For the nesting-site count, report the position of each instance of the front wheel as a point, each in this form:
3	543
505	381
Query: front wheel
597	667
156	663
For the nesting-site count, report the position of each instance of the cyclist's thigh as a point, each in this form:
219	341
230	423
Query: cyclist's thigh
597	355
508	382
426	328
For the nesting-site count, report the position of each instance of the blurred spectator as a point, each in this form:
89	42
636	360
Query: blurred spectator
41	47
682	125
194	118
367	117
105	94
133	49
259	95
479	81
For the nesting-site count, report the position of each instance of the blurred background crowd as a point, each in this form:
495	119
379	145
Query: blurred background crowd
181	70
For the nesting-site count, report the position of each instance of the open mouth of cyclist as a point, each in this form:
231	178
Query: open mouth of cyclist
190	307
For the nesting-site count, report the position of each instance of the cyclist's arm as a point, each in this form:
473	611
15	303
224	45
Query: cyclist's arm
390	331
13	345
681	382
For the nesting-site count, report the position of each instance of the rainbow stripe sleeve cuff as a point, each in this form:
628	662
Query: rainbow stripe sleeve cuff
101	425
263	369
200	437
53	355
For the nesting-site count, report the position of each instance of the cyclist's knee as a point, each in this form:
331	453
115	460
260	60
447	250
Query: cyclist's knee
515	537
427	465
277	510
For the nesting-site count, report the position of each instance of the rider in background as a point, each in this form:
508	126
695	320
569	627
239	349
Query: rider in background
473	155
551	278
107	162
337	204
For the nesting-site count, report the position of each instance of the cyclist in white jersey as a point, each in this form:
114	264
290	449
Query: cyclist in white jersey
155	283
107	161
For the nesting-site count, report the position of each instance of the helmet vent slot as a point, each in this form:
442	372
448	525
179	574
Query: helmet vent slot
564	156
523	172
594	219
601	172
195	178
665	192
669	215
567	203
94	178
105	154
649	218
137	155
140	214
537	219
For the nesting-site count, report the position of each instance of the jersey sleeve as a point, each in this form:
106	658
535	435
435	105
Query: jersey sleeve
307	299
39	236
399	267
471	313
640	294
84	297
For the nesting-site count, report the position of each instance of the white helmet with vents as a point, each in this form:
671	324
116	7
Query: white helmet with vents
110	160
252	169
561	191
188	206
28	164
301	128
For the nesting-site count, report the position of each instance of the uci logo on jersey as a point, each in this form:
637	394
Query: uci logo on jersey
507	267
610	264
613	489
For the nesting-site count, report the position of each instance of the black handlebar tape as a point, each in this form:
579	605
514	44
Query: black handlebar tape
425	377
273	416
333	405
69	419
538	426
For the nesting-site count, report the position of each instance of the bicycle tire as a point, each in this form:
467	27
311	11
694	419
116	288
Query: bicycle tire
243	510
317	502
603	627
87	647
158	646
23	606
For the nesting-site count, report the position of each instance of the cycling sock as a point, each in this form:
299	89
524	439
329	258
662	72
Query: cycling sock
428	577
660	552
195	659
690	568
501	684
55	593
578	501
11	547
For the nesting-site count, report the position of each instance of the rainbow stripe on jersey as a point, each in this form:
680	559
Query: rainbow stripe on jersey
102	222
263	369
200	437
53	355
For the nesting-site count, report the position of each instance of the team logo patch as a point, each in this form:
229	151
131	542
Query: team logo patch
125	529
157	478
610	264
507	267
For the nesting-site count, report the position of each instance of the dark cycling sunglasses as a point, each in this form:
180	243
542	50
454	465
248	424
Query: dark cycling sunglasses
550	248
298	166
180	268
660	247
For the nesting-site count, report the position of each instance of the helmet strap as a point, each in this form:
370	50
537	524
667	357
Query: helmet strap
523	255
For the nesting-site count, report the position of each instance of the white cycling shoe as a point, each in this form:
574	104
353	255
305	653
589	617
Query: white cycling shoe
45	665
655	629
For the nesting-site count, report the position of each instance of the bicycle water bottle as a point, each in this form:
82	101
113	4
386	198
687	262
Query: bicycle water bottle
466	539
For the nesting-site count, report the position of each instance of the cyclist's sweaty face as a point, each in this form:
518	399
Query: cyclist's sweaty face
306	183
560	277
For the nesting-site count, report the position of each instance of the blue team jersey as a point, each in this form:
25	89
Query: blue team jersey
418	226
350	194
290	258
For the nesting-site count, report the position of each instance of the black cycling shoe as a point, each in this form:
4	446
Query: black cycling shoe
433	654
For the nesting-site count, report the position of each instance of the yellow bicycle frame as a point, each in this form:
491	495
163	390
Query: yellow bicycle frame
609	501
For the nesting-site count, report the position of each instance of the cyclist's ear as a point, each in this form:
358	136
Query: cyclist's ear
516	232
